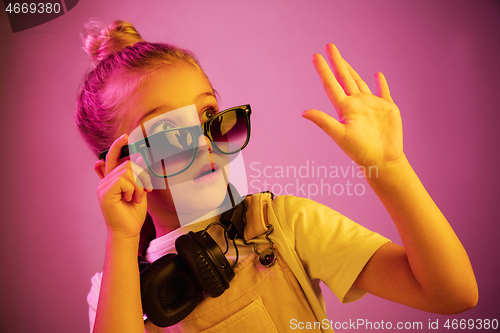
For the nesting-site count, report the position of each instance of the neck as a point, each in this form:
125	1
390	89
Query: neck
165	221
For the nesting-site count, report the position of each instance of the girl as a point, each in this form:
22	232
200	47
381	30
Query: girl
134	83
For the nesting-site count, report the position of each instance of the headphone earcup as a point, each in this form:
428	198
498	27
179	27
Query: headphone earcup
205	260
168	291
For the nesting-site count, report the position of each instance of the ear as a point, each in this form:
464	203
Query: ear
100	168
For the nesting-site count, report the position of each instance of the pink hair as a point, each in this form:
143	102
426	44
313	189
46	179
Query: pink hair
122	60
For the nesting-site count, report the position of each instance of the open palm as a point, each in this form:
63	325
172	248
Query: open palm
369	128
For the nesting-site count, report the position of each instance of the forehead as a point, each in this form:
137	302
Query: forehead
170	88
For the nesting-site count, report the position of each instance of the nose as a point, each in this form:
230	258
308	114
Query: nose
204	141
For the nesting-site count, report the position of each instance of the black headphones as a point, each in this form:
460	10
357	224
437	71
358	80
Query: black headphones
172	286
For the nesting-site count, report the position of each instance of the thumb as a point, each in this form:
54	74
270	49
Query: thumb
327	123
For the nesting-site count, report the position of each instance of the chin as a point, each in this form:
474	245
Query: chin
199	197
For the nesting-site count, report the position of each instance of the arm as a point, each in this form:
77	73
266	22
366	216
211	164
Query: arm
123	203
432	272
119	308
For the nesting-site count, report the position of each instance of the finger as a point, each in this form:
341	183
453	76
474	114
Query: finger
142	176
328	124
116	188
128	190
123	182
138	191
340	70
332	88
362	86
383	87
113	156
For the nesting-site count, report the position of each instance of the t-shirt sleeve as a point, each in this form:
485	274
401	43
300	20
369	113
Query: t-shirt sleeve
93	298
331	247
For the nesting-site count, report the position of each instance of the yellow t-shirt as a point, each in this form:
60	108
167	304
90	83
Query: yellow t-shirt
320	244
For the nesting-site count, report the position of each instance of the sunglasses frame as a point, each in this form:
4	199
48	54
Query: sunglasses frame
141	146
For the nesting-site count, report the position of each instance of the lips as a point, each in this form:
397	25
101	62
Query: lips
207	170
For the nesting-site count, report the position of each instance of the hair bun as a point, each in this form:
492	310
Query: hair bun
101	41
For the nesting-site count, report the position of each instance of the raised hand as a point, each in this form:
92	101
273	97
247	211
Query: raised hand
369	128
122	192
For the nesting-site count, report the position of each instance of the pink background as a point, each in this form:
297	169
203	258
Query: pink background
441	59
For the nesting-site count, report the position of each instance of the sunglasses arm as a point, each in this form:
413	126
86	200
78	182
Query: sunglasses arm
123	153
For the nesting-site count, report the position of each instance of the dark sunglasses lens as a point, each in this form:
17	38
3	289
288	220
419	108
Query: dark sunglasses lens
170	152
230	131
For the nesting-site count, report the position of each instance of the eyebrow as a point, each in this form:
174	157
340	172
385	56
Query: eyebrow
204	94
208	93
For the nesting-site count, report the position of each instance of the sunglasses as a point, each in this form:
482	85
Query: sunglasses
173	151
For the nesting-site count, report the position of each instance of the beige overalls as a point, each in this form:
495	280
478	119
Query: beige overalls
260	299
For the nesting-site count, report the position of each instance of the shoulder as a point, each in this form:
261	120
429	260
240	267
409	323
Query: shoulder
315	227
297	212
290	212
297	205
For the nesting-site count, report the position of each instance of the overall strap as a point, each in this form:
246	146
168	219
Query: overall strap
256	214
